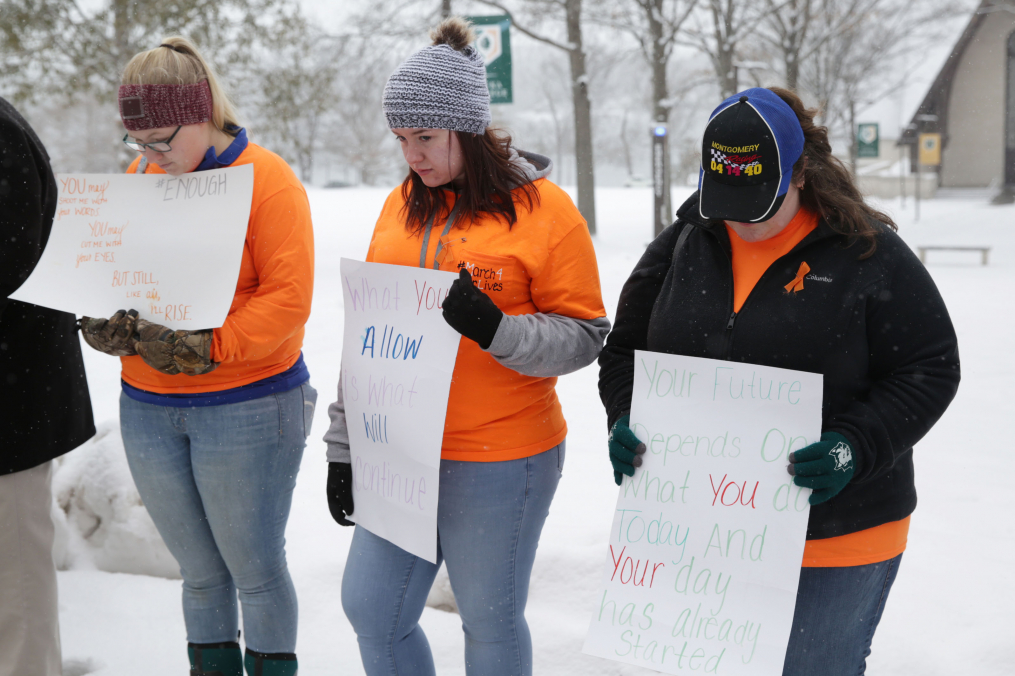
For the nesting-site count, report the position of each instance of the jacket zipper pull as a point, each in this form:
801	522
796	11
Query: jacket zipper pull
733	318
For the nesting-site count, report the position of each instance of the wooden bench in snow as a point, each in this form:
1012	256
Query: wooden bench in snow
984	251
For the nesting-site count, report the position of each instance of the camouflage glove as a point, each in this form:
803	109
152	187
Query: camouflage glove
826	466
113	336
192	352
172	352
155	344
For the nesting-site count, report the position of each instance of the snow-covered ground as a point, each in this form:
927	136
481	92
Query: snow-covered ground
952	610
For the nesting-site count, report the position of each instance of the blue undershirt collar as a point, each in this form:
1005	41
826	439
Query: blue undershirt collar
229	155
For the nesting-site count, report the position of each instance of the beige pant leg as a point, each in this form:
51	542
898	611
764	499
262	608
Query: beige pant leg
29	621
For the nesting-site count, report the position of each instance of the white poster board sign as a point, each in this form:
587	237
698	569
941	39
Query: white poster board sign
397	361
168	247
703	562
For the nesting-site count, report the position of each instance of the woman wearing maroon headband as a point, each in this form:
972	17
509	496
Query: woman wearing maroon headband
214	422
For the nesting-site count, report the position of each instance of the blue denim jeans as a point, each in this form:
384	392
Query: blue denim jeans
837	611
489	517
218	483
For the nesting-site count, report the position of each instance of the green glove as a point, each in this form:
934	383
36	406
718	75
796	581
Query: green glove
826	467
625	449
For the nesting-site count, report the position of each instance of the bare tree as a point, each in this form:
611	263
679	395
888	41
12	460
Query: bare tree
788	27
559	123
796	29
295	79
626	143
718	30
402	22
655	25
59	46
359	134
63	52
859	62
568	13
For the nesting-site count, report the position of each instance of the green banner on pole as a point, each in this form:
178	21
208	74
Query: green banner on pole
493	40
867	137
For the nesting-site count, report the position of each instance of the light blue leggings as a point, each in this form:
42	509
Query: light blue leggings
218	483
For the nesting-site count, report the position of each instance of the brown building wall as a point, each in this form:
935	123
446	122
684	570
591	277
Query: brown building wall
974	153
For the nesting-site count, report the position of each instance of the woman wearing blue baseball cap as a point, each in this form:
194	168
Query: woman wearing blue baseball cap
777	261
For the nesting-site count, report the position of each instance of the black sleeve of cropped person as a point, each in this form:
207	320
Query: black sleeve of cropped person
914	365
630	326
27	201
45	410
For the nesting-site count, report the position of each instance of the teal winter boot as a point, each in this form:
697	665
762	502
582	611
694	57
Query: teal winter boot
215	659
269	664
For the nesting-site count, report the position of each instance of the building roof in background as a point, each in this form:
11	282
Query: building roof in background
932	113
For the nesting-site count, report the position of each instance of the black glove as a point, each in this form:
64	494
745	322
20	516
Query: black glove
826	467
340	492
625	449
471	312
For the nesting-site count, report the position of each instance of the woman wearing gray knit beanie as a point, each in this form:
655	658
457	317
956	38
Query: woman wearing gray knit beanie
529	308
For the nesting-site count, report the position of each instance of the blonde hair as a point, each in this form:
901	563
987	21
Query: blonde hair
182	64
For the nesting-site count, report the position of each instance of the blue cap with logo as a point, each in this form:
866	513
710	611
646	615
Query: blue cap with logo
750	145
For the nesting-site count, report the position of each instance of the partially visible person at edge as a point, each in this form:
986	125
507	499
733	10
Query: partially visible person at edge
44	407
777	261
527	303
214	422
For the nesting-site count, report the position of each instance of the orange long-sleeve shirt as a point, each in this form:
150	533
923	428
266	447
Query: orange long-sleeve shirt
263	332
544	263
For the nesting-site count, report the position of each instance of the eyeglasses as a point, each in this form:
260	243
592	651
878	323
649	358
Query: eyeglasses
158	146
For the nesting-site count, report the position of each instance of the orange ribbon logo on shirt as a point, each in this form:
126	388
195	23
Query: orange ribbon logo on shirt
798	282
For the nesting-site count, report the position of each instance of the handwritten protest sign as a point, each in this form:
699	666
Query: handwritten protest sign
704	555
168	247
397	361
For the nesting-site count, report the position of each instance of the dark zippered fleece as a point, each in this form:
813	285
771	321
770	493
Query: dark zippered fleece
877	329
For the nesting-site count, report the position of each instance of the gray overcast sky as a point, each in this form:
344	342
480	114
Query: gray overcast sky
330	12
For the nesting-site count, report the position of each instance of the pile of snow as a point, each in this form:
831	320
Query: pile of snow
80	666
101	523
441	596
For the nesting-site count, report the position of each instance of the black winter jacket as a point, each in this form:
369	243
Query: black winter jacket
45	410
877	329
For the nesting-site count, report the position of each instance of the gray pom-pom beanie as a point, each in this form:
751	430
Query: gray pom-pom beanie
439	87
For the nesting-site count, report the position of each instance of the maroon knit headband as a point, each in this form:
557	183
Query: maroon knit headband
152	106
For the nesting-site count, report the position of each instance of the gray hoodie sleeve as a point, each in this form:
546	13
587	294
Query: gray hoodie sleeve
337	436
546	345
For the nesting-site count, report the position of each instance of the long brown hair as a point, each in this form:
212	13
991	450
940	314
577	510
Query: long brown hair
493	183
829	189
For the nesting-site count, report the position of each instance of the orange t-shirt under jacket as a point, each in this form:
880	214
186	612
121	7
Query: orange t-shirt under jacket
545	263
750	261
263	333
